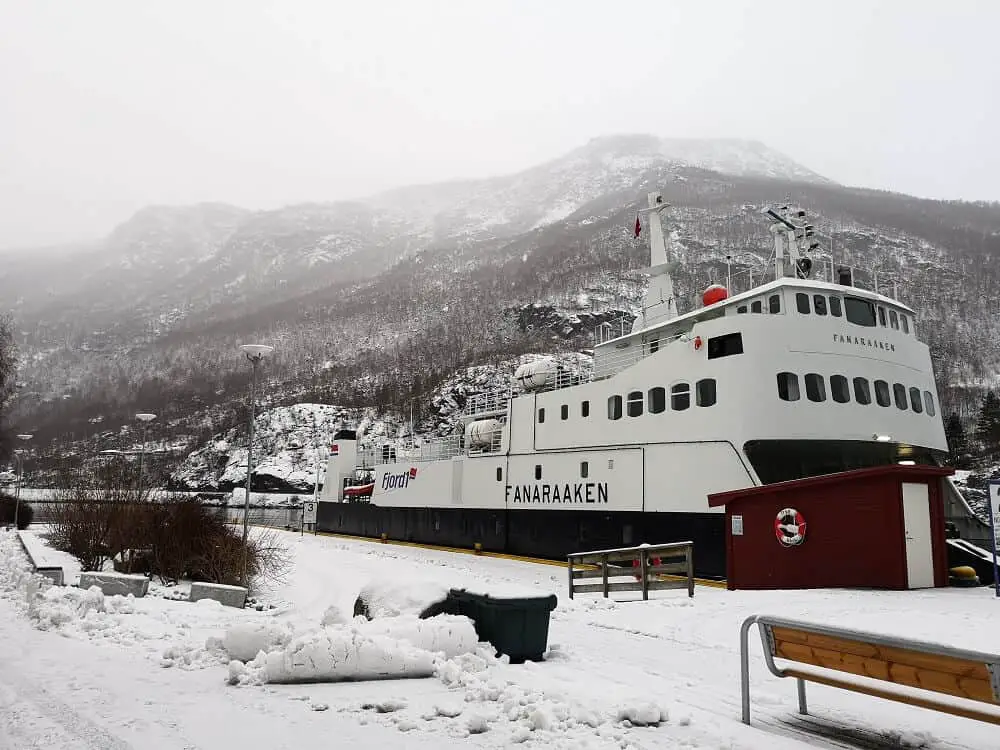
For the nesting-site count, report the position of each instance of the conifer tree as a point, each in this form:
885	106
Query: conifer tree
958	444
988	425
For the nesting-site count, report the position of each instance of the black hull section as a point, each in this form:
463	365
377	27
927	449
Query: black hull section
547	534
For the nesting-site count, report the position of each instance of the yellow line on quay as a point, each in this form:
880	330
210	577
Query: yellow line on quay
495	555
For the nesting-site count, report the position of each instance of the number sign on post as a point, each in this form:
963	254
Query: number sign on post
994	523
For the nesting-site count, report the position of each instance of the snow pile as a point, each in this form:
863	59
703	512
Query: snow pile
244	641
392	597
529	710
392	648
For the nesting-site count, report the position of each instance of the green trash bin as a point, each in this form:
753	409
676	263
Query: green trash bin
517	627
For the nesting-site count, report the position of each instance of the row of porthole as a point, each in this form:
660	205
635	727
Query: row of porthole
654	401
584	470
840	392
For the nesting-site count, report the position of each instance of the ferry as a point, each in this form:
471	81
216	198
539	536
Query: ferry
795	377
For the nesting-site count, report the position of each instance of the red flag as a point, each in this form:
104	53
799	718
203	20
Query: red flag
638	226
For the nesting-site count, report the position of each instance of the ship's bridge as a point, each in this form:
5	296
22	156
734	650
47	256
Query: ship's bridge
860	318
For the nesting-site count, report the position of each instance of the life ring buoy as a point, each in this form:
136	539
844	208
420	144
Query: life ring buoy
790	527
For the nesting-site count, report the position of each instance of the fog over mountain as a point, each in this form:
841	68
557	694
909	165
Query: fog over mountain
113	106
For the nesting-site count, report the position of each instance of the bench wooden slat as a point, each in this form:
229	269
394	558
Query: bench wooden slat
912	700
891	654
942	674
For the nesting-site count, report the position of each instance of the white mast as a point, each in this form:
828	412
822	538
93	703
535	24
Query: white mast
659	304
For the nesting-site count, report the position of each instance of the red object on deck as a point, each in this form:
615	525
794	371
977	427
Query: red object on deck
361	490
714	293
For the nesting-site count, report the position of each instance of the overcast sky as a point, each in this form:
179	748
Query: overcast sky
106	106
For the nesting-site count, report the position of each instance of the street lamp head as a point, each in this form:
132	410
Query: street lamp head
256	351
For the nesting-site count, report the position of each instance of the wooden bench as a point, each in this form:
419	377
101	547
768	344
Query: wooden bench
899	663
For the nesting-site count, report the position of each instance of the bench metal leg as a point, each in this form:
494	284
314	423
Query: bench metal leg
802	696
745	668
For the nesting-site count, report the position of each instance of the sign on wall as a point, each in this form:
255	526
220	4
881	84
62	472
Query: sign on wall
737	525
790	527
994	524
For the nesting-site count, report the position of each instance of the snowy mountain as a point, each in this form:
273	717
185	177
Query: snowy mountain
373	303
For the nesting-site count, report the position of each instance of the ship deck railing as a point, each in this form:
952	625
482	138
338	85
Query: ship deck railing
434	449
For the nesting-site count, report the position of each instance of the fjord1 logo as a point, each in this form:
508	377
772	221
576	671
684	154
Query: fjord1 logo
400	480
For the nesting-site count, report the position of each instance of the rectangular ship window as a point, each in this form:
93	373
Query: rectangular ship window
725	346
615	407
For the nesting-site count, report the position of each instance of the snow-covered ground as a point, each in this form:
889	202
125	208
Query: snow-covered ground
78	670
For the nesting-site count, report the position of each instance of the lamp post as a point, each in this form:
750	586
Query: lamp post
255	353
145	418
19	455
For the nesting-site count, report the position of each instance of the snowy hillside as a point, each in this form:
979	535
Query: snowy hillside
373	303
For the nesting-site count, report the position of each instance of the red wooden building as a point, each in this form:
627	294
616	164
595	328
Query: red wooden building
871	528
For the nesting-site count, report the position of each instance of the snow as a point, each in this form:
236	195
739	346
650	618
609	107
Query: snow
117	672
390	598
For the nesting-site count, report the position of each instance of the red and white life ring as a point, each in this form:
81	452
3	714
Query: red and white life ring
790	527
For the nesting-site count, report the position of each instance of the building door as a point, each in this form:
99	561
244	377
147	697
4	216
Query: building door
917	529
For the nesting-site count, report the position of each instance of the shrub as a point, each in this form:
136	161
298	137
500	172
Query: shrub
9	508
173	539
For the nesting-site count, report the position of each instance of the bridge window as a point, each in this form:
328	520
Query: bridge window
741	310
788	386
835	307
705	392
929	402
584	469
819	302
882	397
839	390
725	346
584	408
499	473
774	304
859	311
634	405
899	392
894	319
680	397
541	415
862	392
915	401
564	411
815	387
757	306
654	346
904	322
538	471
802	303
881	316
657	400
615	407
